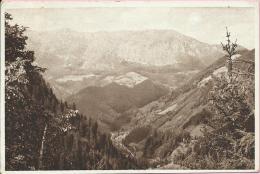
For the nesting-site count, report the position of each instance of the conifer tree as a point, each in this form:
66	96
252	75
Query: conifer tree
230	49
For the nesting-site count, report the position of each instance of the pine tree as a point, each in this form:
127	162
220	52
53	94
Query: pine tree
230	49
24	117
74	106
40	131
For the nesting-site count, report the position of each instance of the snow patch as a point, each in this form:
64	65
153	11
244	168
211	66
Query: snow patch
217	73
235	56
188	72
129	79
220	71
75	77
108	79
204	81
169	109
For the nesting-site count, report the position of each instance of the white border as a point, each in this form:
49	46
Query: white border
257	95
12	4
81	4
2	95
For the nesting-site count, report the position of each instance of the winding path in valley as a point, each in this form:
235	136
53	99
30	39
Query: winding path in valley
117	140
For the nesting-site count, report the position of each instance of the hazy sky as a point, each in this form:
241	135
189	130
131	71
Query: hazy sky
204	24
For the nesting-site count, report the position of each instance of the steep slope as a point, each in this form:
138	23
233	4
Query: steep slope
118	95
175	110
46	127
41	132
185	110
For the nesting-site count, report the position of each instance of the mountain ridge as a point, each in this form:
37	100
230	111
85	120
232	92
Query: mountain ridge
107	103
152	47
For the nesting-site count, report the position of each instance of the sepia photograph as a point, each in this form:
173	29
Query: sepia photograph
148	86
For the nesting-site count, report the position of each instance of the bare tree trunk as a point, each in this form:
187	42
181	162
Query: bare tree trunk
230	68
42	146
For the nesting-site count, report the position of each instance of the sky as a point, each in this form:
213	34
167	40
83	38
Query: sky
206	24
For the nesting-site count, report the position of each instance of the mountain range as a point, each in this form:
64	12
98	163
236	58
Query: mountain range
164	56
109	74
126	100
105	50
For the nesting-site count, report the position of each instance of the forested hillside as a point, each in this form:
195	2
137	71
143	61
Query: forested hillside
135	111
208	123
109	103
42	132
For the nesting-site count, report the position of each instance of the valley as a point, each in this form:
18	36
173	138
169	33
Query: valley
164	56
154	107
110	83
185	110
81	98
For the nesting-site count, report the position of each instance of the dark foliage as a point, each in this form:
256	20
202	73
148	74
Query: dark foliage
42	132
